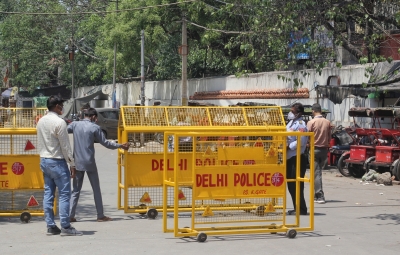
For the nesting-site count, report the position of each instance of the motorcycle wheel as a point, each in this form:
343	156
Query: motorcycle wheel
396	170
357	171
343	166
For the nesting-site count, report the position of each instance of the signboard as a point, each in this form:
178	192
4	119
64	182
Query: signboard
239	182
20	172
148	169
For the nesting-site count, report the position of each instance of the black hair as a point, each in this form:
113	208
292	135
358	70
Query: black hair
299	107
316	107
90	112
53	101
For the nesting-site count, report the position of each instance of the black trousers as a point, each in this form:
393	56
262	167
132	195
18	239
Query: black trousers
291	174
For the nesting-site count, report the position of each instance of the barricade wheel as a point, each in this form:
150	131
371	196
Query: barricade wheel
273	226
291	233
142	205
260	211
201	237
247	210
25	217
152	213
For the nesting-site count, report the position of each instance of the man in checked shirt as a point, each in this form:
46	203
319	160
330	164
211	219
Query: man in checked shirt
55	152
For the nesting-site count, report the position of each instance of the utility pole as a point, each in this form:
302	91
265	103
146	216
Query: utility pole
71	56
10	73
115	56
184	52
142	96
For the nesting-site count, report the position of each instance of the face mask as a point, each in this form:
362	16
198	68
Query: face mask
291	116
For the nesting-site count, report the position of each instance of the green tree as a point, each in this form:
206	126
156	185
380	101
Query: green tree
39	43
224	36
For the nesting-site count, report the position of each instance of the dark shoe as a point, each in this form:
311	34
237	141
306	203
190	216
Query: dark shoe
105	218
71	231
293	212
321	200
53	231
72	220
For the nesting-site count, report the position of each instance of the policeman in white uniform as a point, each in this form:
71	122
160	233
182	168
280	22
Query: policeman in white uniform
296	124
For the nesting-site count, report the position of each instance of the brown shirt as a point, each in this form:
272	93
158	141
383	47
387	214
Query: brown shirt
322	131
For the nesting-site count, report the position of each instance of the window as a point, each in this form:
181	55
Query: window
110	115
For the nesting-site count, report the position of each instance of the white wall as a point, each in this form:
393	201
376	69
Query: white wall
129	94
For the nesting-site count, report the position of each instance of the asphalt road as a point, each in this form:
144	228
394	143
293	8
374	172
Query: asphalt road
357	219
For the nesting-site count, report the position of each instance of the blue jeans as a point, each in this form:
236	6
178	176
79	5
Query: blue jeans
56	174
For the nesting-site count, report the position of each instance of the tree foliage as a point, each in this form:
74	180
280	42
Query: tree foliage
224	36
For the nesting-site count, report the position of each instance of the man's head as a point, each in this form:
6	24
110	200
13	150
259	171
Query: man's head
55	104
83	109
316	109
91	114
297	109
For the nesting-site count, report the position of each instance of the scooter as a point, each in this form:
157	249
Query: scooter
341	139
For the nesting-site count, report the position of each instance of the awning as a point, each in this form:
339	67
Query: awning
78	103
6	93
337	93
386	77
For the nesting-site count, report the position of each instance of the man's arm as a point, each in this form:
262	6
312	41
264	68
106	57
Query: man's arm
63	138
70	128
98	134
310	126
303	139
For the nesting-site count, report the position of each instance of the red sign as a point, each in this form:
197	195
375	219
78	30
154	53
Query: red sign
18	168
277	179
181	196
32	202
29	145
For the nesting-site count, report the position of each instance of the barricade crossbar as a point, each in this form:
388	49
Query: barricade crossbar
165	118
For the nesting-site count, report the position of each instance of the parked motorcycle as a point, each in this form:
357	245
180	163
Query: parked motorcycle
341	139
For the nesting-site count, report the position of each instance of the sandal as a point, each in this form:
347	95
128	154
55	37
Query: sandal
105	218
72	220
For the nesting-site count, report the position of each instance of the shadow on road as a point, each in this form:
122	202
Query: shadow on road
386	217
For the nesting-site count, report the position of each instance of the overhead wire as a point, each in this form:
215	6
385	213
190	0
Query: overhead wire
97	12
219	30
219	9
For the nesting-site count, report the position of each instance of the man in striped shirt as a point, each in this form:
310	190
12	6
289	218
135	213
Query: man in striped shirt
55	152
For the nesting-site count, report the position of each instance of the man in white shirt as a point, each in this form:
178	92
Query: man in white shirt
55	152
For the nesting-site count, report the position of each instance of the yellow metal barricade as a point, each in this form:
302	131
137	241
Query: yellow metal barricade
238	187
21	180
141	170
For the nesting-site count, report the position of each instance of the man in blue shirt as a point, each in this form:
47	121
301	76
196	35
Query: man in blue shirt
85	133
296	124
